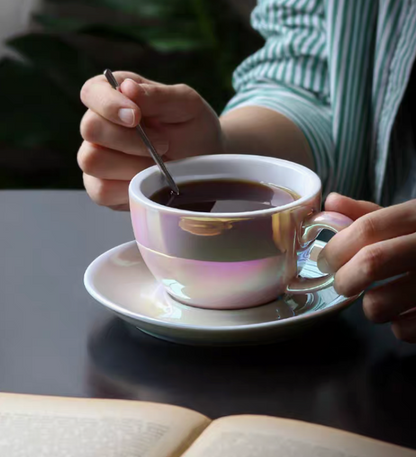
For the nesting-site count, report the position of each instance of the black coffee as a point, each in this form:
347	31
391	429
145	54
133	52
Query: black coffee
225	196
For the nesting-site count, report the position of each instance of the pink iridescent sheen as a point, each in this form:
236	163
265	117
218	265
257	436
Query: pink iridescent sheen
228	261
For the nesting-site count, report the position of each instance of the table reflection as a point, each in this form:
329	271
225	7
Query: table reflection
332	375
282	378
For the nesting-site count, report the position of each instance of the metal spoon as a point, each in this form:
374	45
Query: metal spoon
152	151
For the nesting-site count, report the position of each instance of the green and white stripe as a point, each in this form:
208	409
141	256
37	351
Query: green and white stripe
338	69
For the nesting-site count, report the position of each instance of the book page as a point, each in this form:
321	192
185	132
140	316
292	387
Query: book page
38	426
249	436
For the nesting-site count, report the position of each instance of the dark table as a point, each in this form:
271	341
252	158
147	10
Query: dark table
55	339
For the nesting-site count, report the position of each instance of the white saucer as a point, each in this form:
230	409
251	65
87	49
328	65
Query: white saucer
120	280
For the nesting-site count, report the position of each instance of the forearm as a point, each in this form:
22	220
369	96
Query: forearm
261	131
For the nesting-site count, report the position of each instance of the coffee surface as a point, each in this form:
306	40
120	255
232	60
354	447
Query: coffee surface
225	196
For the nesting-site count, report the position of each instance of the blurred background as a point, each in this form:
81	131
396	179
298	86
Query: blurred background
49	48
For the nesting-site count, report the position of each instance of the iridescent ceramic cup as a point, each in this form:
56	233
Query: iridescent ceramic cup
231	260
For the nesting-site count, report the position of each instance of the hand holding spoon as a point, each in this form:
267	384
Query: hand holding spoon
152	151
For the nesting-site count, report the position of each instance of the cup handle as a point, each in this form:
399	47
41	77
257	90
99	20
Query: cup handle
311	228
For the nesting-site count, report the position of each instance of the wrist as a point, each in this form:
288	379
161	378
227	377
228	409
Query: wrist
260	131
231	137
225	145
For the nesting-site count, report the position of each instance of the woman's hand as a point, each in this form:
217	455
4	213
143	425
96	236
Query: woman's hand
176	118
380	244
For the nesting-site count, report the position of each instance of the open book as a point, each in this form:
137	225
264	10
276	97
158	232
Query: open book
36	426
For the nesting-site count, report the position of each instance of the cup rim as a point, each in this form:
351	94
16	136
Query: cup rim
136	193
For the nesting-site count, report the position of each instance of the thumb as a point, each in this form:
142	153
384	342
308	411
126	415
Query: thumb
354	209
169	104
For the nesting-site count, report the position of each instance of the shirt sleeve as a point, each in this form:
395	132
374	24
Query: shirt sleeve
290	73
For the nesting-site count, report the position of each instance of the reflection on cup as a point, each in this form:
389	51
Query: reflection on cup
230	260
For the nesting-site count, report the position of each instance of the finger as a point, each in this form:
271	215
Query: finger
95	129
376	262
121	76
384	303
111	104
170	104
98	95
107	192
122	207
348	206
376	226
404	328
105	163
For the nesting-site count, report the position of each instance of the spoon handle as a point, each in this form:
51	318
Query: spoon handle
152	151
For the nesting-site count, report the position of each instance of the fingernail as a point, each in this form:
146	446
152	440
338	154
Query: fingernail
126	116
323	264
162	146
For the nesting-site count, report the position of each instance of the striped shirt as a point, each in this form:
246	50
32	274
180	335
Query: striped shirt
339	70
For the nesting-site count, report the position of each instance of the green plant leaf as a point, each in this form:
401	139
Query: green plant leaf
58	25
181	37
34	111
175	45
65	65
55	24
139	8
